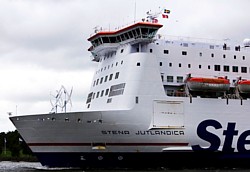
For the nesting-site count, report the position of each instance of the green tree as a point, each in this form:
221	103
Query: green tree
13	144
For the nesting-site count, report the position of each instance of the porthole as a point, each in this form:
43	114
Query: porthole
120	158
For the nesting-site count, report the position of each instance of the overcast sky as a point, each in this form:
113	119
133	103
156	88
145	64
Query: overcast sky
43	43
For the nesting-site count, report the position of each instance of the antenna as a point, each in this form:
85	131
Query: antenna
152	16
61	101
96	29
135	12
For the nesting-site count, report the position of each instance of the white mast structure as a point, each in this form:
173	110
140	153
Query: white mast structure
60	101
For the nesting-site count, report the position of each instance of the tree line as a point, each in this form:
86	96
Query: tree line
13	143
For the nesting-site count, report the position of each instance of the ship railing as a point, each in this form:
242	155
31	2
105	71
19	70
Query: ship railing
193	39
105	29
225	44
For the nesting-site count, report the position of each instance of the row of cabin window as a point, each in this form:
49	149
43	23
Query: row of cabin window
179	79
216	67
224	47
100	93
107	77
184	53
108	55
107	67
79	120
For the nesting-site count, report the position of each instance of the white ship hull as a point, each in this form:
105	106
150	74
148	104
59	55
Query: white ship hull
100	138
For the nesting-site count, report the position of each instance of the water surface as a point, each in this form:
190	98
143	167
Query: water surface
7	166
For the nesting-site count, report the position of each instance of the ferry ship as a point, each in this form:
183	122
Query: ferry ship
155	101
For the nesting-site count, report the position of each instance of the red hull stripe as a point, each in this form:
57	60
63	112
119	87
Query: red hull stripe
108	144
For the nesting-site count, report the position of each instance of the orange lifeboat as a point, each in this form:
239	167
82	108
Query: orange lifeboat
244	86
208	84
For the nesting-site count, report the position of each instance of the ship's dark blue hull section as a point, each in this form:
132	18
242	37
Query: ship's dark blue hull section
145	160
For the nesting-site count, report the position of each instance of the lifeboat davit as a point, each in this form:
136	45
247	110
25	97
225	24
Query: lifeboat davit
244	86
208	84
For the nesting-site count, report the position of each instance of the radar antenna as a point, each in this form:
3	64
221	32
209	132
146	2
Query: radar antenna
97	29
61	99
152	16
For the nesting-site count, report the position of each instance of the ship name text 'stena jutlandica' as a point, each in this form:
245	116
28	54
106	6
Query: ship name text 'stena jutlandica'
154	101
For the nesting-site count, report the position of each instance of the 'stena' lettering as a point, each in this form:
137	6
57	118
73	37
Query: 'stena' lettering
229	133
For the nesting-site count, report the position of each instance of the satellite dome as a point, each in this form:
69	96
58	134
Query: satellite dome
246	42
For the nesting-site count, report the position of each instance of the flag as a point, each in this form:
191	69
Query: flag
164	16
154	20
166	11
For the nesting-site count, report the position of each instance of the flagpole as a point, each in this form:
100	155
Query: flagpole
5	146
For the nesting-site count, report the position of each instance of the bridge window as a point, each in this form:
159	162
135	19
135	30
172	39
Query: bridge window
112	39
144	32
130	34
105	40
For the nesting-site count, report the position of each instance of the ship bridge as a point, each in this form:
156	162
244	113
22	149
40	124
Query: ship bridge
104	42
